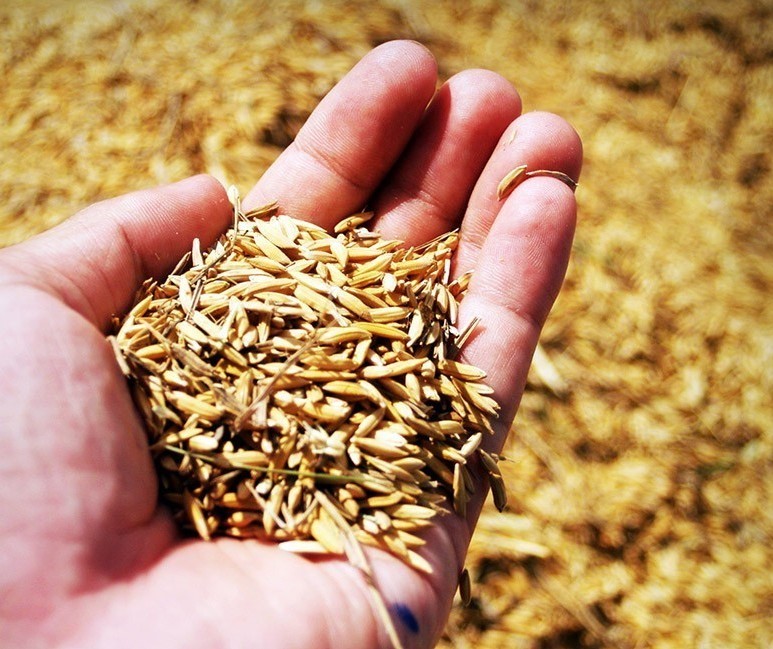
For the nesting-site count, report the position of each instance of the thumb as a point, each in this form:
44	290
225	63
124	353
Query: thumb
96	260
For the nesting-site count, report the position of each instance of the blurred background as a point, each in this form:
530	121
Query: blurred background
641	457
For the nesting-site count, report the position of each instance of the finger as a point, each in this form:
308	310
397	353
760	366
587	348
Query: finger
518	274
97	260
426	193
538	140
353	137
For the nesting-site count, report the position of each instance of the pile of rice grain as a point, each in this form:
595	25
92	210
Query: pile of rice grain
300	386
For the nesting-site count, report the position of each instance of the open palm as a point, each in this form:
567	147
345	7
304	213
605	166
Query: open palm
87	558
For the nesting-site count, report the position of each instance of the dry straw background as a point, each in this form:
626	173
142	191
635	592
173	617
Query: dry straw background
643	449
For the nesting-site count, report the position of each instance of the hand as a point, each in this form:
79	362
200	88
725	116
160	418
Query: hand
87	558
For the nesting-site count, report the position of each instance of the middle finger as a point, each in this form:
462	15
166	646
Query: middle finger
426	192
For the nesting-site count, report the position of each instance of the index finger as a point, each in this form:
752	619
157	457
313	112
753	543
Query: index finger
353	137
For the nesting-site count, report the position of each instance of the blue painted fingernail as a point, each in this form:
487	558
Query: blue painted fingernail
406	617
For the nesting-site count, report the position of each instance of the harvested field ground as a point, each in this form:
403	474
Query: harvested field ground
643	451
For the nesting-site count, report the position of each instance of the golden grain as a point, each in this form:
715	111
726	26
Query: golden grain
297	387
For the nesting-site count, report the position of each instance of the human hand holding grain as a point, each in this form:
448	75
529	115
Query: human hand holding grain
87	558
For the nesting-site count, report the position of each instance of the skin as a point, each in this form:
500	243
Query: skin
87	558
